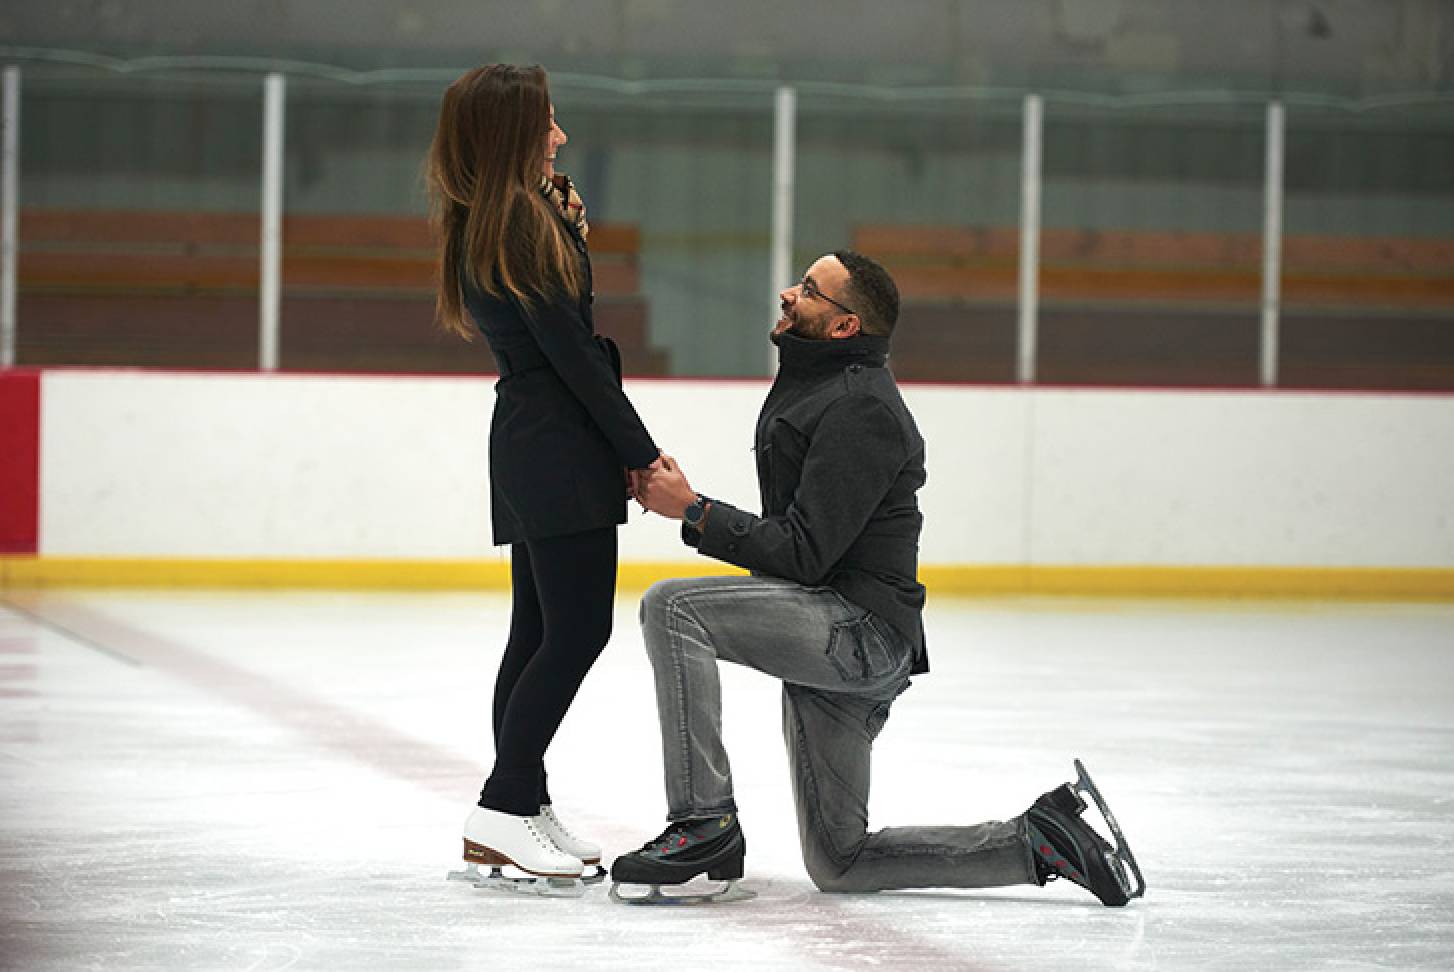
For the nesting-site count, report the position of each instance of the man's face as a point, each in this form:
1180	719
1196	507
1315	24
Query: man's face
809	308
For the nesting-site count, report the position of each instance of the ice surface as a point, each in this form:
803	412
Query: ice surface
275	781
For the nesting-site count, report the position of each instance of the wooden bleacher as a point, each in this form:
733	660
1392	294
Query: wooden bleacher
180	290
1138	307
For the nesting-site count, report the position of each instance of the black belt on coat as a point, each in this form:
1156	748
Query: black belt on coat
529	357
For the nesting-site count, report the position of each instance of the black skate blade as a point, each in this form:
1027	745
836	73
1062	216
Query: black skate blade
1121	857
679	894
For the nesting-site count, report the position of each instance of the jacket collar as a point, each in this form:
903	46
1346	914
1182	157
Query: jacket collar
804	357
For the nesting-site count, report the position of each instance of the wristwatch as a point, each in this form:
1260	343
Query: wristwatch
696	512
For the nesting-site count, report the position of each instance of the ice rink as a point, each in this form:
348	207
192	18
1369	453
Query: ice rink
275	781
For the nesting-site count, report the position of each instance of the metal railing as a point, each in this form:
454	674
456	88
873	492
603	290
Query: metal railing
784	102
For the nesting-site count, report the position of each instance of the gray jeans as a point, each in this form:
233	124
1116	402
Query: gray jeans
841	669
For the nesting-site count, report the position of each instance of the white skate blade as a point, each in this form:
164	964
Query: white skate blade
678	894
470	874
528	884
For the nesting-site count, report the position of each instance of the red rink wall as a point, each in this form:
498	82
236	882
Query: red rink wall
19	461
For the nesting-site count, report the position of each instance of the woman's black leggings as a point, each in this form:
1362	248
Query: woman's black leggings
564	590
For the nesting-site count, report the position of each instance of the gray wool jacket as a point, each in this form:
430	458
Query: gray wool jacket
839	464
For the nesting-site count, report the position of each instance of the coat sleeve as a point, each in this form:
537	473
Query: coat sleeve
856	454
586	370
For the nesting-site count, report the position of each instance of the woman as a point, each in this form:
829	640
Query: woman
565	444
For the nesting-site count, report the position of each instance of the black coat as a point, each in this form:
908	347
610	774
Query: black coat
839	466
563	433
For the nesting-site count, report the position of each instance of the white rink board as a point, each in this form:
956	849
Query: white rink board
251	466
1233	478
263	466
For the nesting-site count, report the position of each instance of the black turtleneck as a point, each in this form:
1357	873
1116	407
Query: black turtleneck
804	357
839	464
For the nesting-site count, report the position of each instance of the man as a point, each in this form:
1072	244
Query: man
833	609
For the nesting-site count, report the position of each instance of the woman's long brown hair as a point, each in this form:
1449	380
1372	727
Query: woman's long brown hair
491	222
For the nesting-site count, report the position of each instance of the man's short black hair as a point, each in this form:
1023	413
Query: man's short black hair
872	293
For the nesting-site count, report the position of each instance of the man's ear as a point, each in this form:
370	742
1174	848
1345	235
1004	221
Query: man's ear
845	327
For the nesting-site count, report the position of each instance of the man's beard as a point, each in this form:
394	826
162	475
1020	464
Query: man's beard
807	329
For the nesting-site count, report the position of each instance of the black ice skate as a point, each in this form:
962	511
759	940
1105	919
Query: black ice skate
714	847
1065	846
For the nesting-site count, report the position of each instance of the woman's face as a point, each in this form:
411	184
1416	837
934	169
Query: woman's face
555	137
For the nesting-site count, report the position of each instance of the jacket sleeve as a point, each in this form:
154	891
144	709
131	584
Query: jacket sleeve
856	453
586	370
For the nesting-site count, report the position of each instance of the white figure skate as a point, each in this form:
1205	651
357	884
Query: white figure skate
501	840
588	853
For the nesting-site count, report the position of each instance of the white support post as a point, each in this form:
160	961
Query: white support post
1272	244
1030	170
270	291
9	212
785	111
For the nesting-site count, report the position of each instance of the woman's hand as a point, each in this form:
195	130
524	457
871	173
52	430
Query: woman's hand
636	480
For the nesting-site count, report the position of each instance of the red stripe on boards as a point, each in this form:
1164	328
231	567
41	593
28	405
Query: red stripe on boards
19	461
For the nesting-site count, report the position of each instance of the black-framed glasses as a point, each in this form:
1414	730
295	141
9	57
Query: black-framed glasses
811	290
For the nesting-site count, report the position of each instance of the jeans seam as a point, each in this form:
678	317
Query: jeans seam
679	607
683	730
944	850
842	862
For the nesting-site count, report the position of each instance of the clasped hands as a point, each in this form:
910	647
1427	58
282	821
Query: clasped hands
661	487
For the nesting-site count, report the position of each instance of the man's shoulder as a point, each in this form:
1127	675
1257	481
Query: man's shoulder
874	385
875	392
856	390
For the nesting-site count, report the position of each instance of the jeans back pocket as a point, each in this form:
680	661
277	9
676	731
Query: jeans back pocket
859	651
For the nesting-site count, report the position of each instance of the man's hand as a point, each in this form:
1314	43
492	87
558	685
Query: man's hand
666	491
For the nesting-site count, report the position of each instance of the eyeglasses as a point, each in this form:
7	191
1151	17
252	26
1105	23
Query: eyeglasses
810	290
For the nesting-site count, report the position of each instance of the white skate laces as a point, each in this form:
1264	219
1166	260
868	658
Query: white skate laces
588	854
548	812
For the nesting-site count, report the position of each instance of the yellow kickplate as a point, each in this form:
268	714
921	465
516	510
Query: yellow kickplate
1321	583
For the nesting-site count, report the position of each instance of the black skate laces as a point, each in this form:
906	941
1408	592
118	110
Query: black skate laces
685	832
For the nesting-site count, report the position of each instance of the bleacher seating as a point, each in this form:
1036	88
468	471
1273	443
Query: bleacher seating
1139	307
180	289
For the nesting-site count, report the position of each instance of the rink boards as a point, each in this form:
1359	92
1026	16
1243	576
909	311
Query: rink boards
246	479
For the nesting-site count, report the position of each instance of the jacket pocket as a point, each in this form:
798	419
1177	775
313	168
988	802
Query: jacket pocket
859	651
764	467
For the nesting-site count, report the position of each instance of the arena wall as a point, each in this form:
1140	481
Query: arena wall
244	478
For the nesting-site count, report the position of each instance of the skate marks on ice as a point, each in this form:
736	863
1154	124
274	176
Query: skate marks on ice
340	729
1313	771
